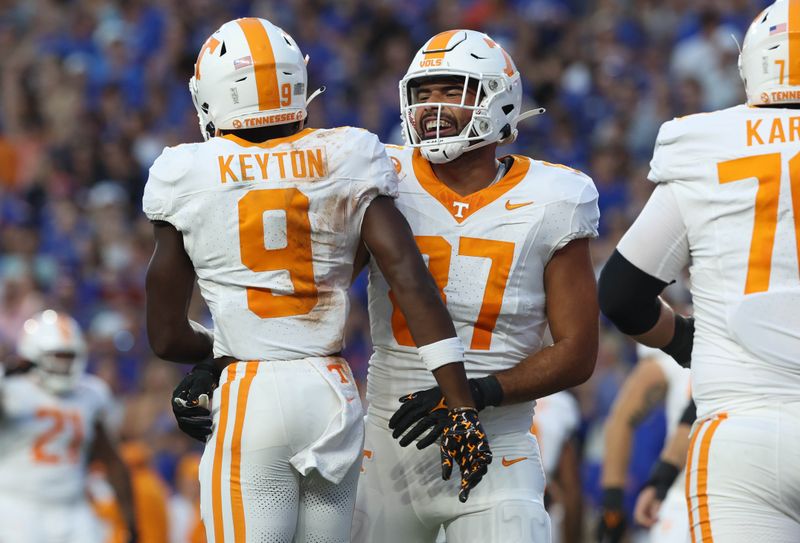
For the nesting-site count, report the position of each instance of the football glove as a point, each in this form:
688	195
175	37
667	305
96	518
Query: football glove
191	400
464	443
428	410
611	525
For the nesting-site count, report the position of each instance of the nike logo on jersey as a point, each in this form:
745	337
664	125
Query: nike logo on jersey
507	462
512	207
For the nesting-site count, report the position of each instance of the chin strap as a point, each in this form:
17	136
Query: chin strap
315	94
530	113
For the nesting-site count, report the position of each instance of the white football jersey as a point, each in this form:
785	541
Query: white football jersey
734	178
487	252
45	439
556	421
272	230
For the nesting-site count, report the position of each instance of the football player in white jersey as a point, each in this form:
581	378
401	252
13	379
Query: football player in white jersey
52	423
268	217
507	241
727	203
656	378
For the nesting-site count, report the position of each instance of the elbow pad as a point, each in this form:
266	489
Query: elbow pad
628	296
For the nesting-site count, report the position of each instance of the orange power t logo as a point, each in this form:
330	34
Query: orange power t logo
210	44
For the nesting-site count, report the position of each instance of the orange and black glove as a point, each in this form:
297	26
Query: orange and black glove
426	410
611	525
464	443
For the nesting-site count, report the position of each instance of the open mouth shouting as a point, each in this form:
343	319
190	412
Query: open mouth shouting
434	126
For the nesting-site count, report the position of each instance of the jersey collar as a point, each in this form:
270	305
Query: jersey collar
270	143
462	207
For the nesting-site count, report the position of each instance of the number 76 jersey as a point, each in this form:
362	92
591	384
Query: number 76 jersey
487	253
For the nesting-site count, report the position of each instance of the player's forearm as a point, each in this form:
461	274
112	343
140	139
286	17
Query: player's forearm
388	237
120	480
617	444
677	447
572	312
430	323
181	342
570	477
567	363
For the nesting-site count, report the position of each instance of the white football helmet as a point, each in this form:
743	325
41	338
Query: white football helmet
54	344
249	74
481	62
769	62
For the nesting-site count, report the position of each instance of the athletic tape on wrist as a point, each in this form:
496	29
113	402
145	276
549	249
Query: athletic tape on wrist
441	353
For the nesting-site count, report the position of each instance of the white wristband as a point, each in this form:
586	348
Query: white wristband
441	353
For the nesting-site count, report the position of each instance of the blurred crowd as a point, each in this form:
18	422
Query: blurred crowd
92	90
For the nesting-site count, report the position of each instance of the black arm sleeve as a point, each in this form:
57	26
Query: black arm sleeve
629	296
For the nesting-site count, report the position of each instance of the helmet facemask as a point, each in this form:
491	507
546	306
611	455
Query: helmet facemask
53	343
59	371
478	94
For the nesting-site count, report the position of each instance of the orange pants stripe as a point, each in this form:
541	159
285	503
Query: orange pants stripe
704	519
216	477
239	410
237	504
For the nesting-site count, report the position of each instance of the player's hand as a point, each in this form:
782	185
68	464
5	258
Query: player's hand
647	507
611	525
662	476
464	443
191	400
428	410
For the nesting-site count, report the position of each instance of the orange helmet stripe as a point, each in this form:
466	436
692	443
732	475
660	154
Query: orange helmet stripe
263	63
793	29
438	44
64	327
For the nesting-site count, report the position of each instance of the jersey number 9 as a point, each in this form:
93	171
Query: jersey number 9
295	257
